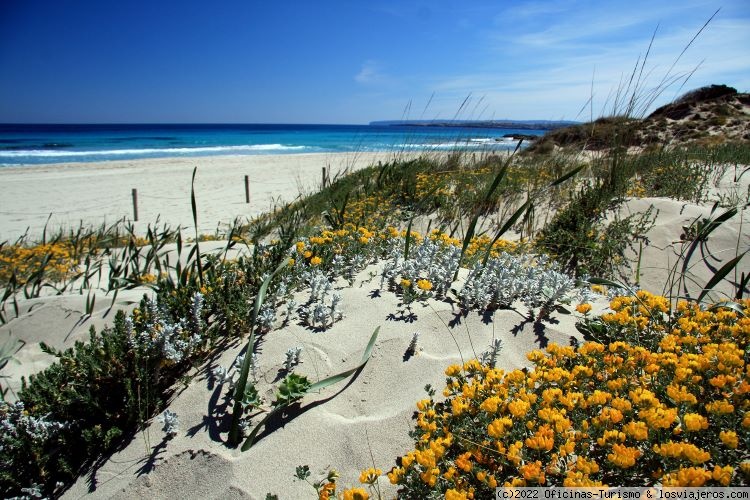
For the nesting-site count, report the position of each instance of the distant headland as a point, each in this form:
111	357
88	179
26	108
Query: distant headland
506	124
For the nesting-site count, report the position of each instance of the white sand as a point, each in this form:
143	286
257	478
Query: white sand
663	256
102	192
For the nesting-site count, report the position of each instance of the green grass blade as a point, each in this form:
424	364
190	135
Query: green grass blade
195	223
407	238
508	224
728	304
251	438
566	176
487	197
314	387
705	230
720	274
744	279
234	431
341	376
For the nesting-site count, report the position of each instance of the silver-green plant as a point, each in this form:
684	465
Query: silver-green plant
413	347
171	423
489	357
434	261
164	338
292	358
507	278
17	424
323	307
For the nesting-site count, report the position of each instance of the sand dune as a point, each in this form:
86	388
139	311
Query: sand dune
349	426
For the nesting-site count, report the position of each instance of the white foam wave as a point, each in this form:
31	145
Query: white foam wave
147	151
454	145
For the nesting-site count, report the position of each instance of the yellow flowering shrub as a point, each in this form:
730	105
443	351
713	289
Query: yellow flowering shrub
23	261
675	412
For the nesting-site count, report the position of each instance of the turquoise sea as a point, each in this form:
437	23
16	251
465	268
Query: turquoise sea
42	144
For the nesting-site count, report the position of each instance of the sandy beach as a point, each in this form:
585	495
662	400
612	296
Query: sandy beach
101	192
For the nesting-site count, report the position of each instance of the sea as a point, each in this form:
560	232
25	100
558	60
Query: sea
45	144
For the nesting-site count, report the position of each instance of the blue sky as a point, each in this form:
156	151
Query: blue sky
349	61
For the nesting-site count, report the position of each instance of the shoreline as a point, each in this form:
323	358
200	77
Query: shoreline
93	193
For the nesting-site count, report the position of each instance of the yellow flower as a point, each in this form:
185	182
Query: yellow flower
453	370
395	475
583	308
490	404
518	408
723	475
543	439
369	476
151	278
729	438
300	246
721	407
430	476
452	494
623	456
405	283
532	471
463	462
424	284
695	422
315	261
690	476
307	254
356	494
685	451
326	491
637	430
586	466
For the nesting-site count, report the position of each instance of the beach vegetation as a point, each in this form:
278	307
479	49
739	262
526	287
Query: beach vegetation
658	398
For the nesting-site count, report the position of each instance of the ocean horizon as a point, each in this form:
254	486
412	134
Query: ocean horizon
34	144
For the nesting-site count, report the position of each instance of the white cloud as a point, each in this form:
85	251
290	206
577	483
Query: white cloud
370	73
556	81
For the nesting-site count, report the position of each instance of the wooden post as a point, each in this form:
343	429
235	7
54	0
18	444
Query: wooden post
135	204
247	189
324	177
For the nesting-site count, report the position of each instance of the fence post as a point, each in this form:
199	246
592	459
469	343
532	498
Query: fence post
324	177
247	189
135	204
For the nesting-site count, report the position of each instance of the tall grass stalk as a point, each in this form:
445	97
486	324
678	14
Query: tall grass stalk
487	198
239	393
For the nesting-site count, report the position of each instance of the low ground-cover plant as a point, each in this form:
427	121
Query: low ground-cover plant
671	407
97	393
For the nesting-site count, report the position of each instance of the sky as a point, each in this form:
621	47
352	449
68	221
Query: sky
347	61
